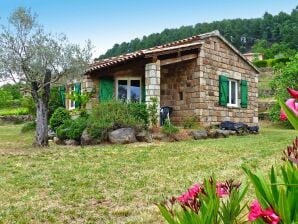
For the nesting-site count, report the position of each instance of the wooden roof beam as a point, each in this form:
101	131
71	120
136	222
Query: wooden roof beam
178	59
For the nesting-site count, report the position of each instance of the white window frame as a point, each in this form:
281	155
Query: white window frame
128	79
71	104
236	104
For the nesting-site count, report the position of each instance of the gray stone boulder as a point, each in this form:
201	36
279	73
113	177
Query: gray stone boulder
144	136
58	141
87	140
122	136
159	136
199	134
223	133
71	142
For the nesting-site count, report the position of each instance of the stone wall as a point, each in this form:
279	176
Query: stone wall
177	89
217	58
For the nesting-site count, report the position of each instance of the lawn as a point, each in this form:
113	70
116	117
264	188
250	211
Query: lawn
118	183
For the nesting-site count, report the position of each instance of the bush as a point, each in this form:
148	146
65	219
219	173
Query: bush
261	63
28	126
168	128
113	114
59	117
55	100
190	122
28	103
152	111
14	111
72	129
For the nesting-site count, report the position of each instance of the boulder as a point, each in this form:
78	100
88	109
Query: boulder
144	136
87	140
122	136
159	136
199	134
223	133
51	134
58	141
71	142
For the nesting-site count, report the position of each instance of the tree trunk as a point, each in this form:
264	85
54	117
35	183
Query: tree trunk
41	137
42	104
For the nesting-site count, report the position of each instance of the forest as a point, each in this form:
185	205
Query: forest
271	35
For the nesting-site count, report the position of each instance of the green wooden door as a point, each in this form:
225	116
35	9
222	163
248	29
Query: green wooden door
106	89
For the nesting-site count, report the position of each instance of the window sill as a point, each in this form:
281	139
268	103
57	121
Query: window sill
233	106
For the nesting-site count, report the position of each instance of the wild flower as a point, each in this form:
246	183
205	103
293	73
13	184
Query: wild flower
268	215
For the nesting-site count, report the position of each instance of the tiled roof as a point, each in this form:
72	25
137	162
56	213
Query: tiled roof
184	43
187	42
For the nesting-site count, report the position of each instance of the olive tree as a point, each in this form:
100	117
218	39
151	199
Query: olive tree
38	59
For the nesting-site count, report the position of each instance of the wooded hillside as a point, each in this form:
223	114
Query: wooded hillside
242	33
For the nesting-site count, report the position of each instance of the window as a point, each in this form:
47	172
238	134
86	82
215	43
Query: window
129	89
233	93
72	104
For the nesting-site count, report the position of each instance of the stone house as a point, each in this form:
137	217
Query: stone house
202	76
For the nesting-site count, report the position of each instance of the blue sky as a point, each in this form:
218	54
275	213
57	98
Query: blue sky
106	22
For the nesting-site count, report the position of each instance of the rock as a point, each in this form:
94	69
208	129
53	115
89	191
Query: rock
223	133
51	134
71	142
159	136
144	136
213	134
122	136
58	141
199	134
87	140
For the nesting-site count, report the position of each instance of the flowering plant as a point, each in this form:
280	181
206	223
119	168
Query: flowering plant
209	202
290	108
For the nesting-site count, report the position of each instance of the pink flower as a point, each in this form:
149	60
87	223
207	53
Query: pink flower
294	93
190	194
267	215
255	211
221	190
292	105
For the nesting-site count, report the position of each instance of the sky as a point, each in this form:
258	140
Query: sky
106	22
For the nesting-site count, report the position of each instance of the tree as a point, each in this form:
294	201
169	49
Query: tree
38	59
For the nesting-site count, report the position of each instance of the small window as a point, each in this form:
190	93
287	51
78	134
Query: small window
129	89
233	93
72	104
180	95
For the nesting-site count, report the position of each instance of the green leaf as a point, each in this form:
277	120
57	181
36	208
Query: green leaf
290	114
166	214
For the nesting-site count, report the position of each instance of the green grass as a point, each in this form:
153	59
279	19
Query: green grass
14	111
118	183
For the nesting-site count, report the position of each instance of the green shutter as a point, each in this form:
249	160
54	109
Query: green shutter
143	91
62	94
223	90
106	89
78	91
244	93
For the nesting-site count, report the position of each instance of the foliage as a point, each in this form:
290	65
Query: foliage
13	89
59	117
271	62
72	129
114	114
153	111
28	103
80	98
168	128
261	33
279	192
55	100
190	122
14	111
5	98
204	204
28	126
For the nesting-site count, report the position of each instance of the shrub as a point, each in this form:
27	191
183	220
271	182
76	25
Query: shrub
72	129
5	98
260	63
152	111
28	103
55	100
28	126
115	114
59	117
190	122
14	111
168	128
